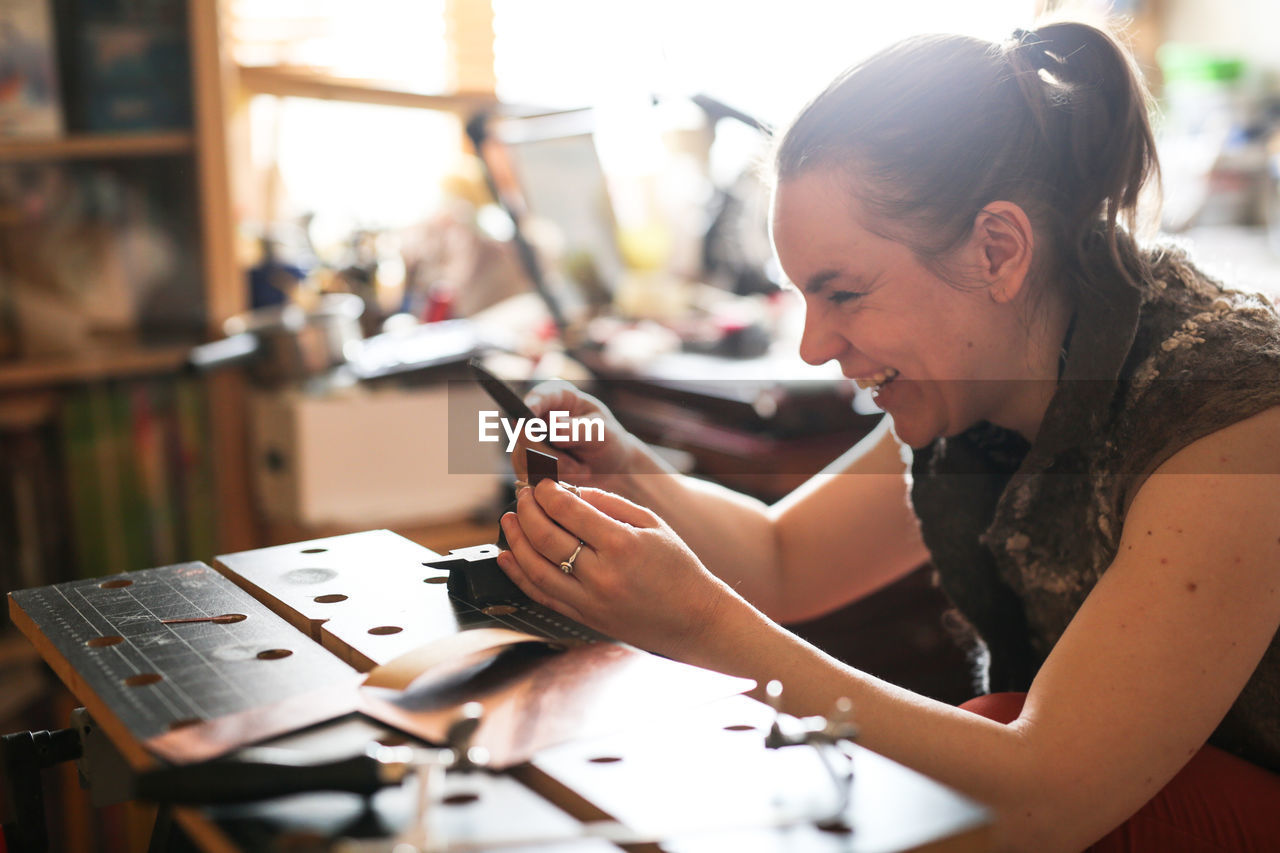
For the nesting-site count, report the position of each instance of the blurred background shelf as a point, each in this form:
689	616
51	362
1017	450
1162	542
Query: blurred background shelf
88	367
98	145
293	82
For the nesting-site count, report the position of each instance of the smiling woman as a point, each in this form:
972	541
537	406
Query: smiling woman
1083	435
939	357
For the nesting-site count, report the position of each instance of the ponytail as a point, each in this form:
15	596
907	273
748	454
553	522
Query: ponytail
1106	150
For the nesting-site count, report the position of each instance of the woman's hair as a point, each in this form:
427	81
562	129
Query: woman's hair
933	129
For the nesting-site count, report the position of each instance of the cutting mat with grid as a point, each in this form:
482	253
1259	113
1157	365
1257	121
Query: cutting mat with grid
106	639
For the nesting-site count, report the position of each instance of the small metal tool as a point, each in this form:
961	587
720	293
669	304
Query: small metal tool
224	619
541	466
825	735
817	730
459	736
501	393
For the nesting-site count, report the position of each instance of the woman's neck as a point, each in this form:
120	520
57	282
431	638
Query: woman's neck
1027	400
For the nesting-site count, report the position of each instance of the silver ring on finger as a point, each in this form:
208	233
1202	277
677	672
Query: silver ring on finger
567	565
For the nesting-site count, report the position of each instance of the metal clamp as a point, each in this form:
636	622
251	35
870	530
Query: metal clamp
25	755
827	735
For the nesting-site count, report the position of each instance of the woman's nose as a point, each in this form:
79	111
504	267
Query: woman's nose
818	342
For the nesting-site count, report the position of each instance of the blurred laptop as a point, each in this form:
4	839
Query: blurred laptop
562	187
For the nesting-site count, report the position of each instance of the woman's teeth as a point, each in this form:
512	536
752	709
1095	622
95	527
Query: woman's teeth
884	377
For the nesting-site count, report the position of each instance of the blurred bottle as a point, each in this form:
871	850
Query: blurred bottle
1271	202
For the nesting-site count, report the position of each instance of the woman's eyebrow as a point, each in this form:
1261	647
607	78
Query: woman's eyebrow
816	281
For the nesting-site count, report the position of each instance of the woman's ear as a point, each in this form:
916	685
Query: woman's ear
1003	241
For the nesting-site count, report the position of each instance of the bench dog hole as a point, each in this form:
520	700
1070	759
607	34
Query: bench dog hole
460	799
116	584
383	630
109	640
142	679
331	598
274	654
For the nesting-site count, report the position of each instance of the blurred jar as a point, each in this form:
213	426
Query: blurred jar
1211	151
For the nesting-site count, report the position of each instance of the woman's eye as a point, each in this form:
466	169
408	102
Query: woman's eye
840	297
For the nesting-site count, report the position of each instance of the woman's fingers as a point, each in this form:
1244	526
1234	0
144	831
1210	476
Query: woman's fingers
616	506
558	394
534	573
546	536
591	514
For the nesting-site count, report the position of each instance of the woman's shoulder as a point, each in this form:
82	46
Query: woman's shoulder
1174	278
1204	357
1192	326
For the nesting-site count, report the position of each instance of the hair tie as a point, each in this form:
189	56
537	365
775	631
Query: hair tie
1036	47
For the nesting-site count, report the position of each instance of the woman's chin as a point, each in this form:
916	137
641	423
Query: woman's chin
915	429
907	433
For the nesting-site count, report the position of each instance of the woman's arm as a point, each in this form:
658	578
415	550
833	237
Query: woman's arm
1144	673
846	532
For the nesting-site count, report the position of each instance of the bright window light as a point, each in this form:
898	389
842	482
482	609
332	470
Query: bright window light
764	57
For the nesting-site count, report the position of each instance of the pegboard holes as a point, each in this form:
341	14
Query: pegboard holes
142	679
185	722
119	583
740	727
100	642
274	654
460	799
437	579
605	759
498	610
331	598
383	630
314	550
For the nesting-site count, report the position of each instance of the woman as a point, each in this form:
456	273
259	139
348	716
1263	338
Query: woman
1082	419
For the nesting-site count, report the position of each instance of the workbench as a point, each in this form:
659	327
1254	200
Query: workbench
566	740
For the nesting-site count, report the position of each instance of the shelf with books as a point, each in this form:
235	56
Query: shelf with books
42	372
97	146
104	477
296	82
117	249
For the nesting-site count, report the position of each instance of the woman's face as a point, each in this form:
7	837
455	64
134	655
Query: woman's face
933	351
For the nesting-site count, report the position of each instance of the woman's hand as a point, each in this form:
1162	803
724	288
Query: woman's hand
593	459
633	578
